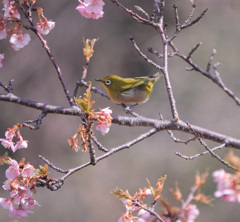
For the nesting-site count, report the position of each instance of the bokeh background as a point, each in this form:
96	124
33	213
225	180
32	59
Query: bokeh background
86	195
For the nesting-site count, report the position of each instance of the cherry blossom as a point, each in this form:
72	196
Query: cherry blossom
45	27
10	10
19	40
104	120
91	8
7	144
20	182
228	185
190	213
22	144
8	141
13	171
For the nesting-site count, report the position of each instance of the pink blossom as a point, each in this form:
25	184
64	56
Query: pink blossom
219	175
19	184
143	214
19	40
10	145
10	10
81	9
94	6
91	8
7	184
190	213
104	129
227	186
21	213
30	203
7	144
121	219
148	192
10	133
104	121
13	171
22	144
45	27
7	204
21	192
28	170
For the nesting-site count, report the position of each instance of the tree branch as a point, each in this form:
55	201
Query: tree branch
160	125
49	53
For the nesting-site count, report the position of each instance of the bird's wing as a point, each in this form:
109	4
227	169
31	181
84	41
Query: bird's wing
133	83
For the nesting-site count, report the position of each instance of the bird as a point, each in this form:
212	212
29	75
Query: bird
131	91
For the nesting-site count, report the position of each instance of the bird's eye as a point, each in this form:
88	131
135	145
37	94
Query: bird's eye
108	82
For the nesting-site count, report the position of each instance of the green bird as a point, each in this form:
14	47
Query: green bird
129	90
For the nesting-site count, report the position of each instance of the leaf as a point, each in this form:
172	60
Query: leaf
85	103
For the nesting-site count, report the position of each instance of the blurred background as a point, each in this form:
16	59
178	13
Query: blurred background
86	195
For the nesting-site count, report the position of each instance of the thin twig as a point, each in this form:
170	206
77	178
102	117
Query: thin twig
188	23
190	197
106	155
89	141
143	55
210	60
84	72
128	110
112	151
140	9
9	88
194	49
93	89
37	122
200	154
178	26
135	202
167	79
216	79
210	151
99	145
164	70
52	165
155	52
158	9
176	140
135	15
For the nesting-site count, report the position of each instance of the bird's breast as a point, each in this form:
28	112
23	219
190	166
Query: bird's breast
130	96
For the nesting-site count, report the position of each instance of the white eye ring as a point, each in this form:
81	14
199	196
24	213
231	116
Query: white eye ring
108	82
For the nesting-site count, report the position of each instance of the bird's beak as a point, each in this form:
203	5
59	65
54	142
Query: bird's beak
99	80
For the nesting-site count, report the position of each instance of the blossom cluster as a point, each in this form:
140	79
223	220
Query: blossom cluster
228	185
188	212
84	132
11	24
21	184
10	134
91	8
104	121
135	203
